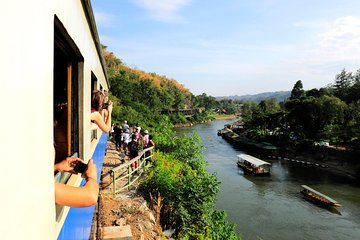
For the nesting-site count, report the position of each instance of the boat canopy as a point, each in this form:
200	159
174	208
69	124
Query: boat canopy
253	160
319	194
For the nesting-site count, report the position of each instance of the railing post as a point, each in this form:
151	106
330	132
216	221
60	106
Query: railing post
129	176
114	181
141	165
141	161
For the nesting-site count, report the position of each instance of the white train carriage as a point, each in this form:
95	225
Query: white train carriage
50	53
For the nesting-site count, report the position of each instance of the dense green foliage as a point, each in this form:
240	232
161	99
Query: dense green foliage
188	190
327	114
209	103
177	184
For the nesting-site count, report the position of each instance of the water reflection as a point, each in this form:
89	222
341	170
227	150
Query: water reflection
273	207
330	209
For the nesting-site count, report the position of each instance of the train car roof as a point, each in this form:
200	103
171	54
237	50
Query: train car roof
91	21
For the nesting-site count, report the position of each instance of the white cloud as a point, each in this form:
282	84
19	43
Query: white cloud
163	10
337	47
104	19
342	41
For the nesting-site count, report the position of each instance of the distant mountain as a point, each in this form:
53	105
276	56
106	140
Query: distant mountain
279	96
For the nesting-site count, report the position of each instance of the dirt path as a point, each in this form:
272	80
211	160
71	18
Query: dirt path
127	207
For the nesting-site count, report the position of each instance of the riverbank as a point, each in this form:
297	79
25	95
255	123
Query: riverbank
338	161
212	117
224	116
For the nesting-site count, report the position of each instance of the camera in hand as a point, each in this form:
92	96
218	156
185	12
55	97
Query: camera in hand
80	167
105	105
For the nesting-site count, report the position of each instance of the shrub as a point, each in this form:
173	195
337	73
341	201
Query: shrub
187	192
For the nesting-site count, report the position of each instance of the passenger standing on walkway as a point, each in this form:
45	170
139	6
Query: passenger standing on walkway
133	128
125	129
134	151
125	126
112	131
117	136
138	134
126	139
146	138
150	144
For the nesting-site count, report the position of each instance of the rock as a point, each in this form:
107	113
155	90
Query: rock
152	218
147	225
118	233
115	211
169	232
119	222
140	227
154	234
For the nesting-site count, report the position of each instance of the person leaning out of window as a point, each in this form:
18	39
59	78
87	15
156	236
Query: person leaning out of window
77	197
101	108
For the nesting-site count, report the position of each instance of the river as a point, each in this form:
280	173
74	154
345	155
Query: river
272	208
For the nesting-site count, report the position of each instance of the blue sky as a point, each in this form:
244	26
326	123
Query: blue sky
234	47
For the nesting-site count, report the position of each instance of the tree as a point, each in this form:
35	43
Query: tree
331	115
352	127
269	106
343	82
297	92
354	91
208	102
186	190
248	110
312	116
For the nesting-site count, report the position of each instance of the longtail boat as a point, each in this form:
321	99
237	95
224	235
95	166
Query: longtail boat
318	197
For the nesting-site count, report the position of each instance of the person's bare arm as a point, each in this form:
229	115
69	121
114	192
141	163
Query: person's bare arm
84	196
99	120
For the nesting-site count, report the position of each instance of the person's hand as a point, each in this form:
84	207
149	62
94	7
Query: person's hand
91	171
108	110
106	113
68	164
110	106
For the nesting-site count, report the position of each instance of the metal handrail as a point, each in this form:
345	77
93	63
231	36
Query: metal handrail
141	158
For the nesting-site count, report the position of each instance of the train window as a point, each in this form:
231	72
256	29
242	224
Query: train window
94	82
67	65
94	127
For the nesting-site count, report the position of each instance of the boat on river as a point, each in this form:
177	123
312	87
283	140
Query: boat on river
234	134
318	197
253	165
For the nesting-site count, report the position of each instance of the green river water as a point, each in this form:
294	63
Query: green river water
272	208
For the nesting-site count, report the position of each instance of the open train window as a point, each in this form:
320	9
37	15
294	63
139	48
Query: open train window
94	128
67	65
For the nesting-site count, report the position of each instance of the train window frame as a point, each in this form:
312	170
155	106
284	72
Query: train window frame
68	62
94	128
67	80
